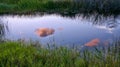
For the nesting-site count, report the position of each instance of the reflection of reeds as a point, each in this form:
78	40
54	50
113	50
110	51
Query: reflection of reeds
3	29
102	21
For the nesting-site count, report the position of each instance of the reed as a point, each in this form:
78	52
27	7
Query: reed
78	6
32	54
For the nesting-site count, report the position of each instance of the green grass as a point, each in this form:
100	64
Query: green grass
83	6
7	8
21	54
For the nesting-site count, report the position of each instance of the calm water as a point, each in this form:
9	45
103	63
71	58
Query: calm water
67	30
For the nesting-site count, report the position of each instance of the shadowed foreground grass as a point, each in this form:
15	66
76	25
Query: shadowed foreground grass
72	6
18	54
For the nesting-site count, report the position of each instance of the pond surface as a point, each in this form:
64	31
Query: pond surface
62	30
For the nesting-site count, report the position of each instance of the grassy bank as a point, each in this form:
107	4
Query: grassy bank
70	6
19	54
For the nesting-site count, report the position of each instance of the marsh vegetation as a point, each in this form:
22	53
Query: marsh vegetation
70	6
88	24
19	54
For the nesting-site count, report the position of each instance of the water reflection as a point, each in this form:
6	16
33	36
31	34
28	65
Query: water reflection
97	19
108	23
43	32
60	28
3	29
66	30
93	42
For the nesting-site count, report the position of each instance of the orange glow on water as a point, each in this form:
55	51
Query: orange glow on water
60	28
93	42
43	32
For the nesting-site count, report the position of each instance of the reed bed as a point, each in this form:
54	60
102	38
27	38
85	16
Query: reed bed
73	6
32	54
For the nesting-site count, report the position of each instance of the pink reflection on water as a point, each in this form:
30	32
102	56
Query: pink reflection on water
93	42
43	32
105	43
60	28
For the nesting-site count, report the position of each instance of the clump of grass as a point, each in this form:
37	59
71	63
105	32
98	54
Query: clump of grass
14	54
28	4
9	1
7	8
21	54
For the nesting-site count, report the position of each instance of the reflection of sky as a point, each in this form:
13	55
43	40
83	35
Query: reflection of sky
75	31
